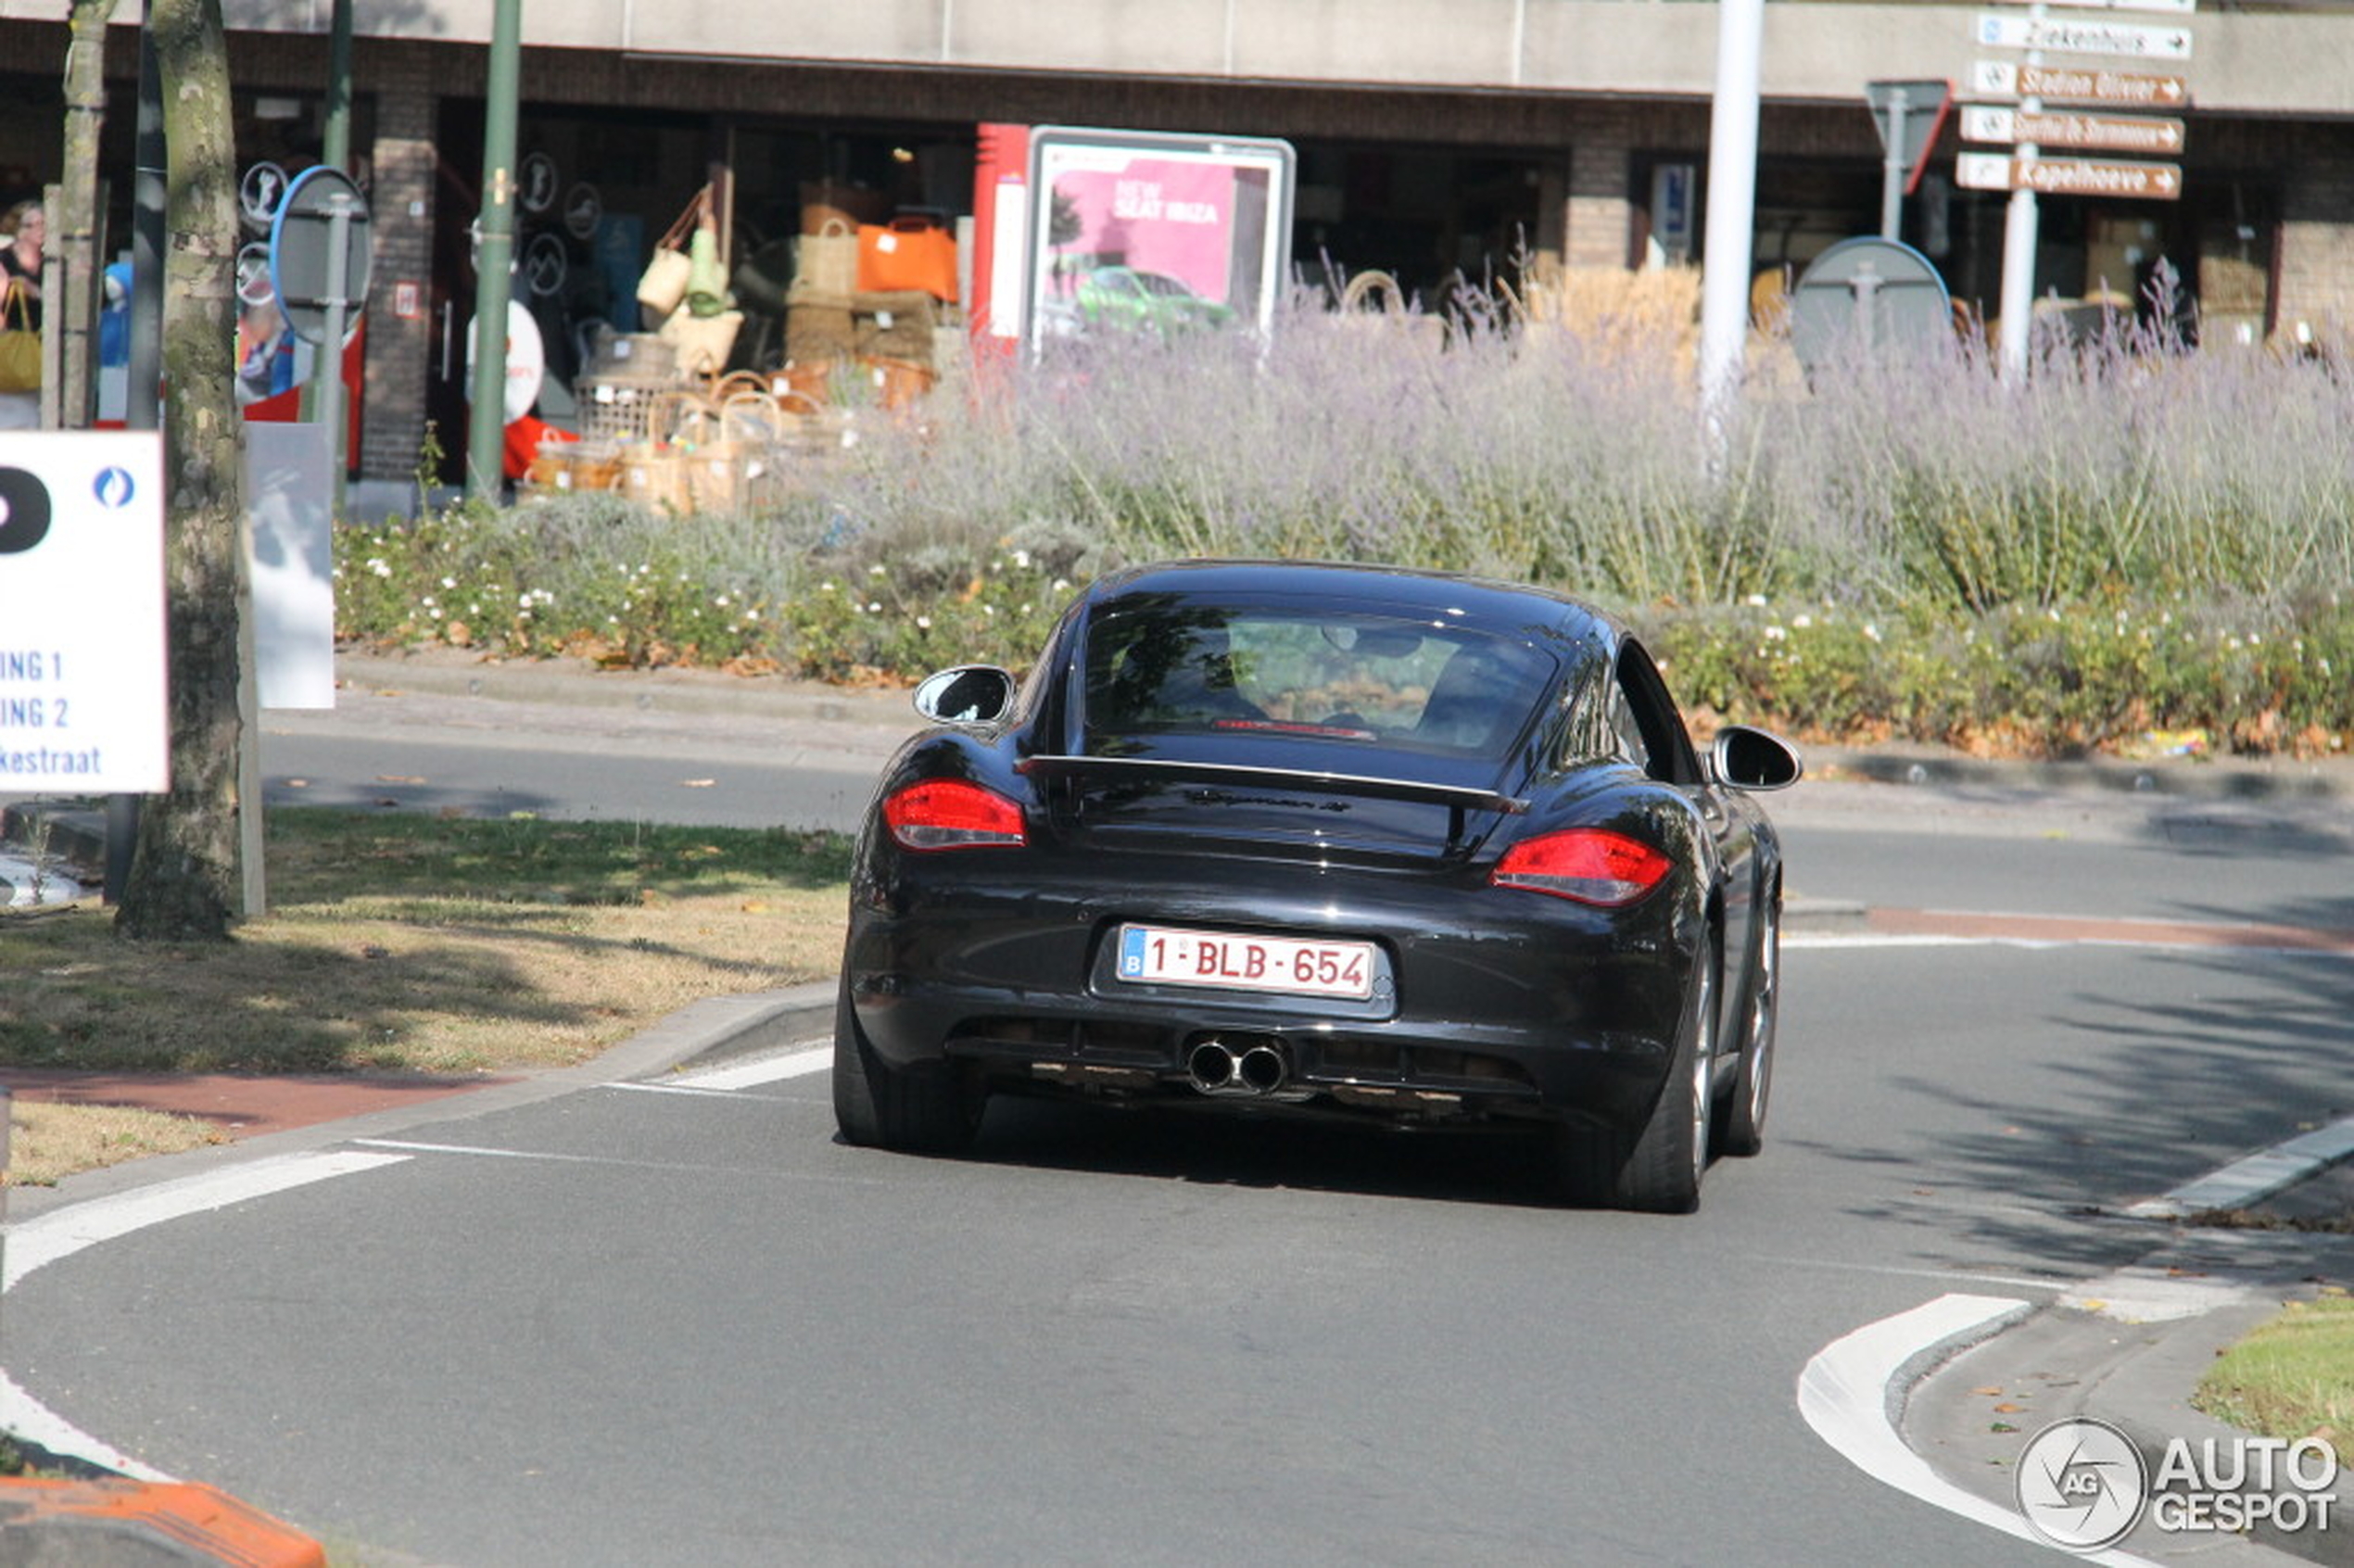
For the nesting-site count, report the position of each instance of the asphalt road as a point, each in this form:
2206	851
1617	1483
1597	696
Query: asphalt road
636	1324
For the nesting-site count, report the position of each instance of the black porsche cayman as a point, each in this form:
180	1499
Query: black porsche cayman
1325	841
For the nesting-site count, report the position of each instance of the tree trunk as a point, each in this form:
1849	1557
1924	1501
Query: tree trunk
74	226
185	876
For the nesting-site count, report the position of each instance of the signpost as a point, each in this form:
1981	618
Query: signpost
320	262
2007	79
2129	39
1909	115
2069	176
2092	131
84	700
2030	128
1870	297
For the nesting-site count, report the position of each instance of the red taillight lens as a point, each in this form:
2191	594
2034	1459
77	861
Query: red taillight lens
1590	865
948	814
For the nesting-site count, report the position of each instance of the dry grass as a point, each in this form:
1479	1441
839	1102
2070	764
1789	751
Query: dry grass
49	1142
1613	312
391	985
412	944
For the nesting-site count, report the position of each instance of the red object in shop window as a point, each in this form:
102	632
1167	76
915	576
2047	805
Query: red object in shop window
523	443
908	253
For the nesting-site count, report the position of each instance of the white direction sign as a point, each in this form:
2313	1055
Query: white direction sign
2069	176
2008	78
2106	133
82	693
2166	8
1994	29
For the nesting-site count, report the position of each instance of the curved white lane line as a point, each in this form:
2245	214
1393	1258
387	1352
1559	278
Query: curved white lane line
1845	1396
63	1231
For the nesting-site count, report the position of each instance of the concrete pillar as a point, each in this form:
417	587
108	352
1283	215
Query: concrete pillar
1600	216
2316	261
401	203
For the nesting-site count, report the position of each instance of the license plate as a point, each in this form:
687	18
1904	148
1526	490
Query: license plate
1282	966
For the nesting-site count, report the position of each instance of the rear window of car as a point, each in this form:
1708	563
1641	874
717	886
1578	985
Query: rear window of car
1354	680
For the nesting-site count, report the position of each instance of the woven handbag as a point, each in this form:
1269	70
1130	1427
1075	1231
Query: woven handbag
663	283
19	345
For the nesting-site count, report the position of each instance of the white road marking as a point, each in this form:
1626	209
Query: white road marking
477	1151
1894	1270
29	1420
1834	938
1844	1394
63	1231
2258	1176
1867	940
798	1060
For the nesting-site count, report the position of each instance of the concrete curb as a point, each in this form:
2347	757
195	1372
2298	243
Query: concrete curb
2127	1348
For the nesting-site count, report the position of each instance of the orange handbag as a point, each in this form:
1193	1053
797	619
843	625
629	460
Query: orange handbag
908	253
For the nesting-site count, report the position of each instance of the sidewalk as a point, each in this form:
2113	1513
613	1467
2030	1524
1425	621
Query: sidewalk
2129	1350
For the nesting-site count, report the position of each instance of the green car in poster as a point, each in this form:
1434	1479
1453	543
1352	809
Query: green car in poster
1127	298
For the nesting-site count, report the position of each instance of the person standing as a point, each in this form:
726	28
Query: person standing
27	229
22	233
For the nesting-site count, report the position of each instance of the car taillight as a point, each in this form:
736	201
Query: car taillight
948	814
1590	865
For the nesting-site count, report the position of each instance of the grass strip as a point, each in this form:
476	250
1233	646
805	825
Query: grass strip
2291	1377
398	942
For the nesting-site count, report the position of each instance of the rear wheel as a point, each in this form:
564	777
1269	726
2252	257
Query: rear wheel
1741	1125
1659	1173
928	1109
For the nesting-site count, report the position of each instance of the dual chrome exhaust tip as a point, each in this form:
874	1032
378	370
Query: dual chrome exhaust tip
1248	1067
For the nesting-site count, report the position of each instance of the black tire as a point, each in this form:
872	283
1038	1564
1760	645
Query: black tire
1740	1120
925	1111
1661	1173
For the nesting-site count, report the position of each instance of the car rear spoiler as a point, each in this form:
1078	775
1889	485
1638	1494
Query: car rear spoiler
1458	798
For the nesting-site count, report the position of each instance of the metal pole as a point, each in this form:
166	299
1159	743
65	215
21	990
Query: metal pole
335	148
494	262
331	414
7	1119
1732	204
1891	179
2020	244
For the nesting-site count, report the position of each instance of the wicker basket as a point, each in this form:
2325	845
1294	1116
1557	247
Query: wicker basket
596	465
897	383
655	476
621	408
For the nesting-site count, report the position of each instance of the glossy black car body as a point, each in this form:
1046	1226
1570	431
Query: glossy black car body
1508	892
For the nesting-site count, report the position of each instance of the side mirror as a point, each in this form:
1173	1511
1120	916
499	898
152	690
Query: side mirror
1753	759
968	694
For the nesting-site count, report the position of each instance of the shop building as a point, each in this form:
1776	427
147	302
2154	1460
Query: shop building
1436	140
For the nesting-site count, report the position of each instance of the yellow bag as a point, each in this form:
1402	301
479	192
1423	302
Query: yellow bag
19	345
704	342
663	283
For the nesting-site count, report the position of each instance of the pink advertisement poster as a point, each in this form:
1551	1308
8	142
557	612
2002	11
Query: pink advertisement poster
1155	215
1149	230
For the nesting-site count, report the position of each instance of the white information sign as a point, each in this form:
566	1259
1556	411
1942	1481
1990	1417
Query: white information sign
1994	29
82	687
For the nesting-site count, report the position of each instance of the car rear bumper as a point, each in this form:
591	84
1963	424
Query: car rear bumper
1491	1004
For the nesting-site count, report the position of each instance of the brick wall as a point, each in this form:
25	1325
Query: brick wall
400	347
2314	266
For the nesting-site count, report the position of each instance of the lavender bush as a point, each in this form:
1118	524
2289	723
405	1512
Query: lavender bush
2151	503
